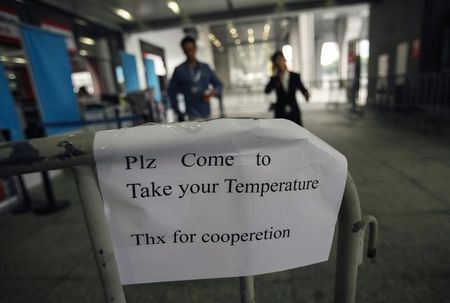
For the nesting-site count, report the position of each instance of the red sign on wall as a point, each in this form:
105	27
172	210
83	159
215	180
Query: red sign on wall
415	49
9	30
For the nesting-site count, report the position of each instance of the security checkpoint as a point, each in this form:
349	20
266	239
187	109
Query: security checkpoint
91	155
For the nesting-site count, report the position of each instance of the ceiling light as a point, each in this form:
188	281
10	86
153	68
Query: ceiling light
124	14
174	7
19	60
237	41
250	31
3	58
284	22
251	39
86	40
83	52
235	35
233	31
211	36
80	22
267	27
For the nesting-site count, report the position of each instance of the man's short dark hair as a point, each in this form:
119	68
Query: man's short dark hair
275	55
187	39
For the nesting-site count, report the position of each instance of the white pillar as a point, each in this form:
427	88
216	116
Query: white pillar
294	40
306	41
132	46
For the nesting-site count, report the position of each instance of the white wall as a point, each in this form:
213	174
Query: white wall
169	40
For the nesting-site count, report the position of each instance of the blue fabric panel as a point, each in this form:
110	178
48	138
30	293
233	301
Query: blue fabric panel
51	71
130	72
8	114
152	78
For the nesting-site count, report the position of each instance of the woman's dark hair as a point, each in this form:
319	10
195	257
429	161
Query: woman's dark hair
275	55
187	39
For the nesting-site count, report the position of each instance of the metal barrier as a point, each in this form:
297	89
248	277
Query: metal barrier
427	93
75	151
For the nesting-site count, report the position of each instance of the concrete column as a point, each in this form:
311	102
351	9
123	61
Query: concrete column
105	67
306	46
294	40
341	28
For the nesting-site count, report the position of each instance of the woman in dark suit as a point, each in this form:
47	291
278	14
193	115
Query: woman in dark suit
286	83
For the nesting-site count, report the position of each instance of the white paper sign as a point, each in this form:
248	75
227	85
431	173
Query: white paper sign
222	198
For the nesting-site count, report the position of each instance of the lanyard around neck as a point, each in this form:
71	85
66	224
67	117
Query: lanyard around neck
195	73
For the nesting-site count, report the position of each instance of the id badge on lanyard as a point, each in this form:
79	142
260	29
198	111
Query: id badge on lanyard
195	80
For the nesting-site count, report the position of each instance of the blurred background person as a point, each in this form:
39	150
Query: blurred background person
85	98
196	81
285	84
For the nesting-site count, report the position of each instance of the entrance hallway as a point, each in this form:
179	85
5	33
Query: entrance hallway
240	102
403	179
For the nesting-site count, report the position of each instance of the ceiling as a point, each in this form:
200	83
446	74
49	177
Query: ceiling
154	14
277	30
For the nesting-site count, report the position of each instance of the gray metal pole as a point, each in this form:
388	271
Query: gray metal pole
372	223
92	203
247	289
221	111
72	150
49	153
349	237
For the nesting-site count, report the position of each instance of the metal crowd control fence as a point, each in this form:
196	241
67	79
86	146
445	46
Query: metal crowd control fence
75	151
427	93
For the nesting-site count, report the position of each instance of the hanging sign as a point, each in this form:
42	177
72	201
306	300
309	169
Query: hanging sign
222	198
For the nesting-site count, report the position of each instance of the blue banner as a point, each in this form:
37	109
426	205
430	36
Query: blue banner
8	114
130	72
152	78
51	70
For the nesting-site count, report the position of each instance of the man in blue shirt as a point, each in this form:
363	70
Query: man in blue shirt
195	81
